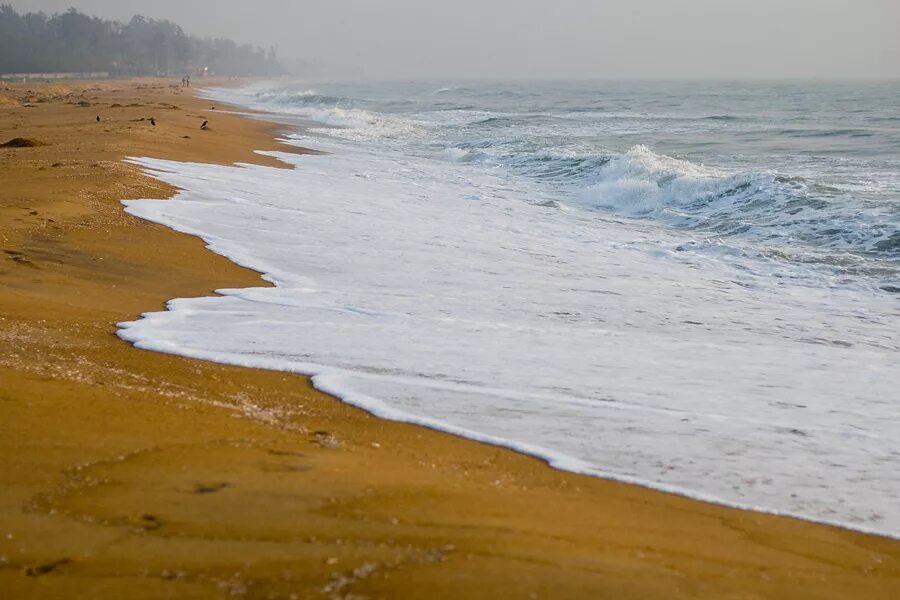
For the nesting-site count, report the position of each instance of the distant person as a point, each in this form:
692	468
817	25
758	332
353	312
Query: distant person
188	80
184	81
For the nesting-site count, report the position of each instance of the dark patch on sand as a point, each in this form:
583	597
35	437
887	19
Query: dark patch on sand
210	488
43	569
21	142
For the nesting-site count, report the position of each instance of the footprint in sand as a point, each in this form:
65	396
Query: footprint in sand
19	257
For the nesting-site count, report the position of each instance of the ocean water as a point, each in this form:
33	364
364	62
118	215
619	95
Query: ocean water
693	286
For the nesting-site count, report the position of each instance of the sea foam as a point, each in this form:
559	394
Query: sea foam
436	295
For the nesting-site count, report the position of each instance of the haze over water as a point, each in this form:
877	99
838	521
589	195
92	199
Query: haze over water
695	286
488	39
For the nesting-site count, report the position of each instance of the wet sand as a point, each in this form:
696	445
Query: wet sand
130	474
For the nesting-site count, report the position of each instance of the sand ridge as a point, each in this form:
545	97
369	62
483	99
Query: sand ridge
133	474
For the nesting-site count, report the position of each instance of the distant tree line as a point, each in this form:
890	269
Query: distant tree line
75	42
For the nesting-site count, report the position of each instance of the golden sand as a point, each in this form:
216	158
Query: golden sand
129	474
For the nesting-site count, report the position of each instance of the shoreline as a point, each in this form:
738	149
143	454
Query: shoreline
308	491
552	455
553	459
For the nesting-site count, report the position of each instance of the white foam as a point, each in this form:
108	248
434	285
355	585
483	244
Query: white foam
438	296
641	182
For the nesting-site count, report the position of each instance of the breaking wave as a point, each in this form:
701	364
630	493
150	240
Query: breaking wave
543	145
642	183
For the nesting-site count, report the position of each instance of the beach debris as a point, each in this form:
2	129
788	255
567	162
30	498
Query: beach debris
205	125
326	440
20	142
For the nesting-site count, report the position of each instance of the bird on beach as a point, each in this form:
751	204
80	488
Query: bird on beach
153	121
98	118
205	125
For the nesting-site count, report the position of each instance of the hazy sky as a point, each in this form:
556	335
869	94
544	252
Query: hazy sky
547	38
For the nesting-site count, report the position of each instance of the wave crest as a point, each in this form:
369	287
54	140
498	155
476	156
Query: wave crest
642	183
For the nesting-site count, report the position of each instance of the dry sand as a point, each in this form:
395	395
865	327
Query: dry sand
129	474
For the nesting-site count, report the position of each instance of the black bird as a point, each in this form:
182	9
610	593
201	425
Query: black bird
98	118
153	121
204	126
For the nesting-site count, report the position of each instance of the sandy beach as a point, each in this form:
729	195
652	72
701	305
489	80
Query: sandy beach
130	474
